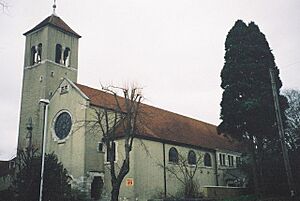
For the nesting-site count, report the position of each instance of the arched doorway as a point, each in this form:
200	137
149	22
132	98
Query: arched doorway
96	188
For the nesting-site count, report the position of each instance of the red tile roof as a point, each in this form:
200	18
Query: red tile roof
54	21
161	125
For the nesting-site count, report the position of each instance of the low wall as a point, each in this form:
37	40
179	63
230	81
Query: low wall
223	191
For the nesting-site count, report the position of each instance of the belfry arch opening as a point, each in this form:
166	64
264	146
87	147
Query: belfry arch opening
33	55
36	54
58	51
66	58
62	55
39	53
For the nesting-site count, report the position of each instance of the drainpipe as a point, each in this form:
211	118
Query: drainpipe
216	167
165	175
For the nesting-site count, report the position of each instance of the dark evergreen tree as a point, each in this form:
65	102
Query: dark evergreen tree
247	107
27	181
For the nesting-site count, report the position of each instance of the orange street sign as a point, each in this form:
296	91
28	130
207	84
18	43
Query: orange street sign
129	182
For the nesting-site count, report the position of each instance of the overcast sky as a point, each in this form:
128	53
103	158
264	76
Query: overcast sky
174	49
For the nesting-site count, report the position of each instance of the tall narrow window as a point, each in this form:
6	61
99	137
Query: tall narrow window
58	51
111	154
66	59
39	53
207	160
238	161
192	158
230	160
173	155
222	159
100	147
33	55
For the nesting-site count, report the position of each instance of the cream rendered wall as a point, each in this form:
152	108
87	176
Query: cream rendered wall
71	150
125	192
204	175
146	165
94	160
148	173
146	169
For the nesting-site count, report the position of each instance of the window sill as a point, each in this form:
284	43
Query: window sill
208	167
108	163
61	141
64	92
172	163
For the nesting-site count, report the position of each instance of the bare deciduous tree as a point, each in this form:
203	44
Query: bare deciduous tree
3	5
118	122
185	174
292	130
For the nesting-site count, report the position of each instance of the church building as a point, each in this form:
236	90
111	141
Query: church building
54	103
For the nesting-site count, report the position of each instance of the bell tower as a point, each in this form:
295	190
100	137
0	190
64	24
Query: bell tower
51	54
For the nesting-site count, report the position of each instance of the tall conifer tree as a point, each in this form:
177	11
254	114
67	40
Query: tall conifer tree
247	108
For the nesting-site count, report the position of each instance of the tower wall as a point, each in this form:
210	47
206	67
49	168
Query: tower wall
41	78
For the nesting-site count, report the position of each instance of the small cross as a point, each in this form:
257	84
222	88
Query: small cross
54	7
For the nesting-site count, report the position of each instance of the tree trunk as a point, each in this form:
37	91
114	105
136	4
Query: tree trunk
116	182
115	192
260	154
254	170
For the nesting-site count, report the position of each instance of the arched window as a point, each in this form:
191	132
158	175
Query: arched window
33	59
39	53
192	158
173	155
207	160
58	51
66	59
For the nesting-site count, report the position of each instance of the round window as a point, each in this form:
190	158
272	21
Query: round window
62	125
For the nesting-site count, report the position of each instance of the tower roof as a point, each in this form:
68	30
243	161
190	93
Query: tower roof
56	22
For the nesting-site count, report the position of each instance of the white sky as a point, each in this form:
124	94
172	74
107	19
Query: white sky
174	49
